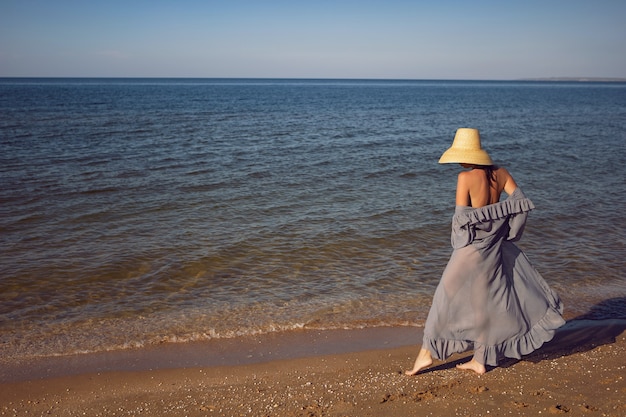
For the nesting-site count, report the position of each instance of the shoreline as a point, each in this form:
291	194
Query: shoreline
581	371
244	350
259	349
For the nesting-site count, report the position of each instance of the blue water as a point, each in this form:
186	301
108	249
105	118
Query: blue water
137	211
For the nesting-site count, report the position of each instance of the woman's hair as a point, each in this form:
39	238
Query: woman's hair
490	171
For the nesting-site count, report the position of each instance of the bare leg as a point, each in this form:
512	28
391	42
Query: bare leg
424	359
473	365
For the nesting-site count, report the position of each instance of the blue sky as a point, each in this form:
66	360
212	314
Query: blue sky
439	39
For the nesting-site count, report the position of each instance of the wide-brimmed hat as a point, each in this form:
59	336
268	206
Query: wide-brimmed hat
466	149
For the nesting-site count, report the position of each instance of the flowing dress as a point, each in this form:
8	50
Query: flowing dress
490	298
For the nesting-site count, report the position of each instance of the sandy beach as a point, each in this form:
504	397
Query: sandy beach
580	372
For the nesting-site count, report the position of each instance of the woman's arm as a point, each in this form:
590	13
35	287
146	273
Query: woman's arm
509	183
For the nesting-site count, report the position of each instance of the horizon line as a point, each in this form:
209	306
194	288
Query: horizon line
571	79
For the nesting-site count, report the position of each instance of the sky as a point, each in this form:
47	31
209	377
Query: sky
374	39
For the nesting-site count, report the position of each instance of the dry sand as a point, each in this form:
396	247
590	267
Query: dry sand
581	372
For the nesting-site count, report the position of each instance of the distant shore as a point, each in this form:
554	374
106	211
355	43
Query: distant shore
578	79
581	372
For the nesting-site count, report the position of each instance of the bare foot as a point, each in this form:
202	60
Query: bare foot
473	365
423	360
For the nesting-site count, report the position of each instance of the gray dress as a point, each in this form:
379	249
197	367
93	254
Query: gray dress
490	298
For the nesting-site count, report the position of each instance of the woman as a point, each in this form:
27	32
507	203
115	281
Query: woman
490	298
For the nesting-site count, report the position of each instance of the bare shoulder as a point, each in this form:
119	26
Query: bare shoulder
462	188
502	172
467	178
464	175
505	180
469	175
463	180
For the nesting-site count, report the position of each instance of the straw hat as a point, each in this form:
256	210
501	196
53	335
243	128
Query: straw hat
466	149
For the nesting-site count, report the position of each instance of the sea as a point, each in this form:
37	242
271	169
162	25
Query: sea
137	212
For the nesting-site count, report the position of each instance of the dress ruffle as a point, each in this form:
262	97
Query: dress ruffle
542	332
513	210
516	203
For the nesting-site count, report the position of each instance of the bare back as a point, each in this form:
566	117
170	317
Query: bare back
475	188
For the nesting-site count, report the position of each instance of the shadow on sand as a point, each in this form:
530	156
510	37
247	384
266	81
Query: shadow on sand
601	325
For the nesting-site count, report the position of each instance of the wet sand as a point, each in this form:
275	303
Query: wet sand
581	372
